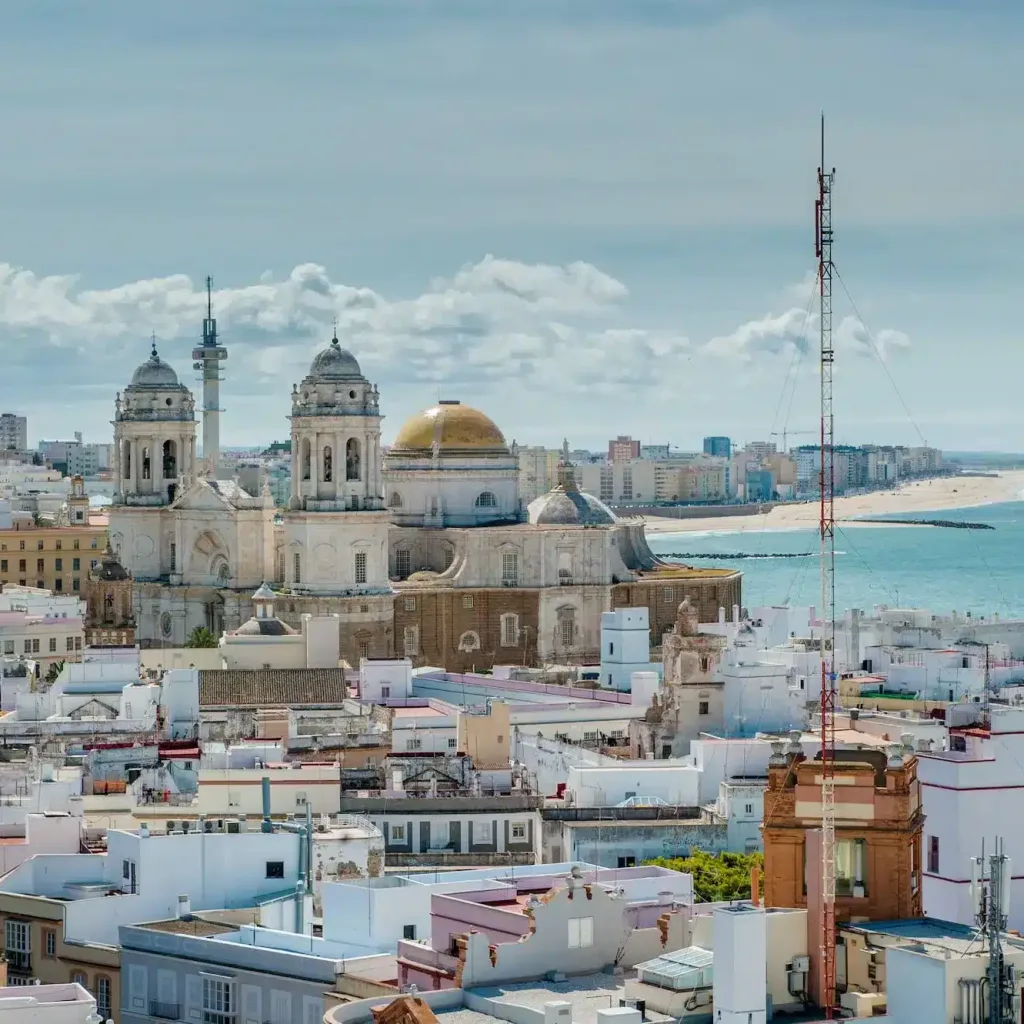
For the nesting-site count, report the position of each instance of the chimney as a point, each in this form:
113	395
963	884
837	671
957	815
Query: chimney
184	907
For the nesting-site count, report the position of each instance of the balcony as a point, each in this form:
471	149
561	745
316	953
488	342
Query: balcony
18	960
164	1010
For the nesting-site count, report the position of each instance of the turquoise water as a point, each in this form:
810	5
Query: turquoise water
981	571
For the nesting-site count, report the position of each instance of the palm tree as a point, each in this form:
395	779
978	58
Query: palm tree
201	637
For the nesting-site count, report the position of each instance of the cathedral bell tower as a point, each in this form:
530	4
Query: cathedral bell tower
154	436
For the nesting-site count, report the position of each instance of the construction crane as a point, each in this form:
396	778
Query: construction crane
823	252
792	433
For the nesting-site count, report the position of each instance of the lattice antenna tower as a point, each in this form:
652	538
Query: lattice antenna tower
208	358
827	524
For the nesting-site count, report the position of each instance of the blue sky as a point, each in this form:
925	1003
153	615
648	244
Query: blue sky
585	217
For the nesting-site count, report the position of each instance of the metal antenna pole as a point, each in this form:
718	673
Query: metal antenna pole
208	359
823	250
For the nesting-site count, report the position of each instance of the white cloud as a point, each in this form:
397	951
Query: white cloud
557	339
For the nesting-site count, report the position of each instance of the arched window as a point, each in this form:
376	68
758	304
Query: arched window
280	567
145	464
395	501
306	459
509	629
297	562
360	566
126	459
352	459
170	460
567	629
469	641
328	463
486	499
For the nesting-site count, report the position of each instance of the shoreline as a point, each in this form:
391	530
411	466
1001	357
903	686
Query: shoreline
938	495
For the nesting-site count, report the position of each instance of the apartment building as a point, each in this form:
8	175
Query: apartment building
56	558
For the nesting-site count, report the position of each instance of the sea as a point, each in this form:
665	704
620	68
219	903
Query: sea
942	569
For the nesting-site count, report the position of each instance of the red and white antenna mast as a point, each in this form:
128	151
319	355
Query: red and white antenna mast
823	250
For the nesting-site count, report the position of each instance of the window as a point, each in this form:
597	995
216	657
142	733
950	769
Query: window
21	564
403	563
80	978
76	584
467	601
74	545
509	629
40	565
53	645
398	833
219	1004
58	585
126	868
509	569
3	565
360	567
481	831
414	744
702	708
410	604
103	996
297	560
933	855
300	800
395	501
851	867
21	545
76	563
409	932
28	646
668	594
452	742
581	932
49	944
8	647
749	809
39	545
486	499
58	565
519	830
385	692
58	545
411	641
567	630
78	643
17	949
275	869
94	543
70	643
627	862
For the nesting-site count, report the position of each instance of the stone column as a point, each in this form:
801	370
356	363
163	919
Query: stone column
135	474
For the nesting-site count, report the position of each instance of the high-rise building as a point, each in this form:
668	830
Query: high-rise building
719	446
623	448
13	431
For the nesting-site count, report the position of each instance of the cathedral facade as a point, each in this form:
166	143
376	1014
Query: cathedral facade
425	551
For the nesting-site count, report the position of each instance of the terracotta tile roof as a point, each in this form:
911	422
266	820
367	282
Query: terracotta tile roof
276	687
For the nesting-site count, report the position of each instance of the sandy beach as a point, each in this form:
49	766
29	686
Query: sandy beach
911	498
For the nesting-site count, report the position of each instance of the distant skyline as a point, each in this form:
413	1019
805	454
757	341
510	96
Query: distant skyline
585	219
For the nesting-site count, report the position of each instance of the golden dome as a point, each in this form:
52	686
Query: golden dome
454	427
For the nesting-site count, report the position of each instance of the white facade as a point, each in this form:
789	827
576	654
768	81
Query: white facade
969	796
149	872
47	1004
741	964
54	832
383	680
674	781
741	805
625	647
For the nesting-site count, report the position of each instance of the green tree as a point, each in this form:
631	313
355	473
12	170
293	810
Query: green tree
201	637
717	877
54	670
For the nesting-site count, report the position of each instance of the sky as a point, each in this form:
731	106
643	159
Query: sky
584	217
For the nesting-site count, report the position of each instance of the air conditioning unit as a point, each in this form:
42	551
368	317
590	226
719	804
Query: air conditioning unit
234	826
171	825
802	964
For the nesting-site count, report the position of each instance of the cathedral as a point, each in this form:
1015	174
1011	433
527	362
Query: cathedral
425	551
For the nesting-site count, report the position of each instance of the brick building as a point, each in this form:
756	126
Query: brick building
878	833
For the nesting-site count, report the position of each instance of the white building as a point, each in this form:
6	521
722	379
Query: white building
13	432
970	794
625	647
141	877
47	1004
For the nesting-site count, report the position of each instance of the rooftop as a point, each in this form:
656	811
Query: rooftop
284	687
